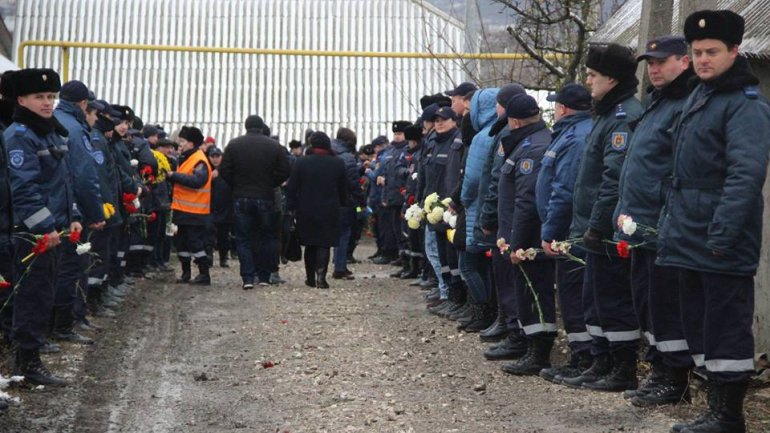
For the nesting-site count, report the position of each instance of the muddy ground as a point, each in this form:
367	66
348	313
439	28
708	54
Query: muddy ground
361	357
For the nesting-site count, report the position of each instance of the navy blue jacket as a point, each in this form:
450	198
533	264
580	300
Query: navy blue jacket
523	149
6	208
495	160
712	219
41	181
343	152
107	171
393	168
558	172
436	169
86	180
645	176
596	188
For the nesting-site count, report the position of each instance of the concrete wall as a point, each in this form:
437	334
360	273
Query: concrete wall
762	292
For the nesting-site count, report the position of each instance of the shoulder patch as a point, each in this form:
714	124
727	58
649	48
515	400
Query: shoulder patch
751	92
619	140
16	158
98	157
620	113
526	165
87	143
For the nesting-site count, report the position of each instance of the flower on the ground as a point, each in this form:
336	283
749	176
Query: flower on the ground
627	225
624	250
74	237
503	246
268	364
83	248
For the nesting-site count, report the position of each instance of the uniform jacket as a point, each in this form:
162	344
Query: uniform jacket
558	172
483	116
488	214
439	175
6	208
375	191
412	186
80	161
596	188
343	152
393	168
316	192
221	201
107	172
644	179
523	149
129	176
41	182
715	203
254	165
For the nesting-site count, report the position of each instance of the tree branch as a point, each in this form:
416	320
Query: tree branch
553	69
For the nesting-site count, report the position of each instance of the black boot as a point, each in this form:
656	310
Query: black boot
322	266
203	278
64	327
652	381
482	318
538	357
498	330
29	365
223	260
514	346
310	267
671	388
576	365
621	377
602	364
412	270
404	262
186	273
725	410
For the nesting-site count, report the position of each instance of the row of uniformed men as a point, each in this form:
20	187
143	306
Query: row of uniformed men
661	205
85	202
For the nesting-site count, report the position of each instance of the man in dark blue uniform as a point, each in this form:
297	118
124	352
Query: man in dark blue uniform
711	226
645	174
44	205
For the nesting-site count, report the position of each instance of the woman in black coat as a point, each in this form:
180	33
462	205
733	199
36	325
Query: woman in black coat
316	191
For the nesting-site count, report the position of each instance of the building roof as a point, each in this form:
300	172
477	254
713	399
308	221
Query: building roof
623	27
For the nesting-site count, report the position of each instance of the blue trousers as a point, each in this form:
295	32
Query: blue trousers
255	237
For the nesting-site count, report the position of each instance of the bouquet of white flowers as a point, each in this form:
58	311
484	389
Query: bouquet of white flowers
435	209
414	216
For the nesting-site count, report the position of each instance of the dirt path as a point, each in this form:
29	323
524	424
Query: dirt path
361	357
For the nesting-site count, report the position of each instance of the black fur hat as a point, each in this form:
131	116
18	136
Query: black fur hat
27	81
413	132
401	125
191	134
126	113
612	60
725	25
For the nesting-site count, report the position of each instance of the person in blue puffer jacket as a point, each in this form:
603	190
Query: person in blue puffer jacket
475	267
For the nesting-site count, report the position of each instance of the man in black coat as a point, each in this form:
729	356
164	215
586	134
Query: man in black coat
221	207
254	165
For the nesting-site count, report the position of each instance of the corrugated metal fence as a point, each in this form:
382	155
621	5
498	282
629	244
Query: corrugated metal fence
218	91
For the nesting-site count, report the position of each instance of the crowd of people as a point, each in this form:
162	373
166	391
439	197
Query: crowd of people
639	220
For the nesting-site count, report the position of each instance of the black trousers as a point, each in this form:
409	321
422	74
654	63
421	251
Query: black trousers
118	247
390	229
655	292
610	283
535	297
224	242
190	245
449	258
717	315
7	263
71	280
569	284
504	275
33	302
316	260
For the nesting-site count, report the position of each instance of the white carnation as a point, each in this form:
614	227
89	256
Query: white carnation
134	163
83	248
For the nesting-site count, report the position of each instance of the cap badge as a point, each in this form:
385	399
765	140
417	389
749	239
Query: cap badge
653	46
44	77
702	23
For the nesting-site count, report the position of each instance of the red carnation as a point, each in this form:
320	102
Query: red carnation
488	253
41	245
153	216
402	191
4	284
128	197
624	250
362	181
411	200
74	237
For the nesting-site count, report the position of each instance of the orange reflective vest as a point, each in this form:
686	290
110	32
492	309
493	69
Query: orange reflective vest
191	200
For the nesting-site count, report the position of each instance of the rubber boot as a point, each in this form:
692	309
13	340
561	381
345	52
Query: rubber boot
538	357
601	365
727	414
652	381
186	273
203	278
64	327
671	388
29	365
498	330
483	317
621	377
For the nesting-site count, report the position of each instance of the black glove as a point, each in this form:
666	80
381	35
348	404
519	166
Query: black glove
592	240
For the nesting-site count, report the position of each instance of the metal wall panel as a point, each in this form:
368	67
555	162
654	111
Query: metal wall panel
217	91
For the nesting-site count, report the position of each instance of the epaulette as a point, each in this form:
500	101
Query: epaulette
751	92
20	129
620	113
